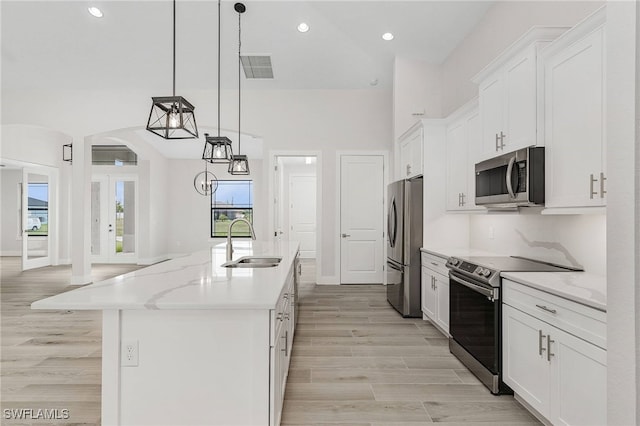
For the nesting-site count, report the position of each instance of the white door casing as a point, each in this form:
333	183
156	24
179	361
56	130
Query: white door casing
302	213
361	219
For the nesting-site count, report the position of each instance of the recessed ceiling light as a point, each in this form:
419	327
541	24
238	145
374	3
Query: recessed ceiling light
303	27
94	11
387	36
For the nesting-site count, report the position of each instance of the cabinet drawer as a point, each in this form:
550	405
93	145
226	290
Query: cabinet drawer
574	318
435	263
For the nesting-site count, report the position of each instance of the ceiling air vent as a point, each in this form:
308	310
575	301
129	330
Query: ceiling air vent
257	66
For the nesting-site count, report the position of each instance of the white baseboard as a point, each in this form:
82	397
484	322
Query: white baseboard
64	261
81	280
12	253
328	280
152	260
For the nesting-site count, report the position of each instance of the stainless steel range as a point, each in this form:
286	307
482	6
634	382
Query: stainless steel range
475	312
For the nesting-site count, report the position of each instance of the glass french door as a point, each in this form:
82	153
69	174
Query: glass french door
114	219
37	217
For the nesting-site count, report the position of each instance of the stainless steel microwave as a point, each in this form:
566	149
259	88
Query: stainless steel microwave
513	179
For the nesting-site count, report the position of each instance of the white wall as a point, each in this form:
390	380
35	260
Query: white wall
10	232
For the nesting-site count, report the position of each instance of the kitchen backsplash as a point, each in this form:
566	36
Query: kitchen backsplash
576	240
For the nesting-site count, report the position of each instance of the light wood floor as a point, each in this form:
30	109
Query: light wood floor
355	360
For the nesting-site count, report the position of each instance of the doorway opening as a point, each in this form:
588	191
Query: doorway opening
295	206
114	218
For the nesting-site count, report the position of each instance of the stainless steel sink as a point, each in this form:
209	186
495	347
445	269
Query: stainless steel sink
254	262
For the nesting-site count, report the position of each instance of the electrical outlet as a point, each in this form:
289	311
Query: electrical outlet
129	354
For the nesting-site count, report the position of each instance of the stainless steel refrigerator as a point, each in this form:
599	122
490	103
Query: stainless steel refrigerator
404	239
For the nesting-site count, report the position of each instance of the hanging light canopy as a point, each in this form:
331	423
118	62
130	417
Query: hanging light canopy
217	149
172	117
239	164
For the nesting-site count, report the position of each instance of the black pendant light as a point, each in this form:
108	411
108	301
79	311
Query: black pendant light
217	149
172	117
239	164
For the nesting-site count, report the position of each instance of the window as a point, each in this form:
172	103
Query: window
113	155
232	200
38	208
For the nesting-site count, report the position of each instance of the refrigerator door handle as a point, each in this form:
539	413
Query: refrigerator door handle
392	223
394	267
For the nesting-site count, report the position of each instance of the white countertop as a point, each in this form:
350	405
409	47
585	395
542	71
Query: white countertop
581	287
447	252
195	281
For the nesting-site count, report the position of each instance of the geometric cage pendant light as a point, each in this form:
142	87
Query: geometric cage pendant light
172	117
217	149
239	164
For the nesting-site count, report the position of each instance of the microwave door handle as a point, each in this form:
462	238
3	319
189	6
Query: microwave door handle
508	177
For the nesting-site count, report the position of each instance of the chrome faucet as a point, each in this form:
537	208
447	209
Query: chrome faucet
229	244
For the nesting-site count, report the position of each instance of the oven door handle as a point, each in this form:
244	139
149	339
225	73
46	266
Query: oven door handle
491	294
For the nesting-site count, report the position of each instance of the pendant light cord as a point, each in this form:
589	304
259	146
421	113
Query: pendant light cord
239	79
174	47
219	1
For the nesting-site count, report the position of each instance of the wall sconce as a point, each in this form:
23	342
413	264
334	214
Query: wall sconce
67	153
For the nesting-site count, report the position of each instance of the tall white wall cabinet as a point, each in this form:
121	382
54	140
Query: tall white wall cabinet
409	152
464	148
509	92
574	116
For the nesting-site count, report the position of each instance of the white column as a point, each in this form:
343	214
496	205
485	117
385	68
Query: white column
623	165
81	212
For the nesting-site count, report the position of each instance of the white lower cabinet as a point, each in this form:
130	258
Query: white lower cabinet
283	323
435	291
561	376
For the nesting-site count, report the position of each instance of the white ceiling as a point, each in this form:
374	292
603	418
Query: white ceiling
58	44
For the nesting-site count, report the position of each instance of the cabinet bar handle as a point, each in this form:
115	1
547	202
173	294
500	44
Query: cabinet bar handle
544	308
462	195
591	191
279	317
602	179
549	342
286	341
497	142
502	136
408	169
540	337
434	263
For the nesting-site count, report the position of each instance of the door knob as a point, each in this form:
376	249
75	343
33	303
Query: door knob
345	235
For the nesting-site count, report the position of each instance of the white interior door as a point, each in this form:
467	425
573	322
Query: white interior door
114	219
37	217
278	217
361	219
302	213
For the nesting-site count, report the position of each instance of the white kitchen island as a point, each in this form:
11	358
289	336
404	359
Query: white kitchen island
188	342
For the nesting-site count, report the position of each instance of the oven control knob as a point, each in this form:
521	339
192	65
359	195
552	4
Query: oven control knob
454	262
479	270
486	273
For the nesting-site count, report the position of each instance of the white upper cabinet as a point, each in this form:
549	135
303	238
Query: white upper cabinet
410	153
574	116
508	94
463	147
